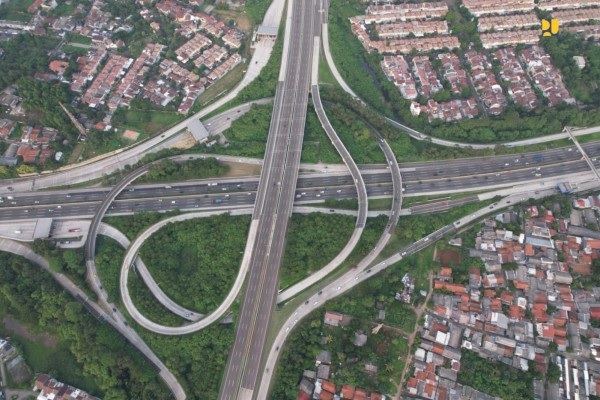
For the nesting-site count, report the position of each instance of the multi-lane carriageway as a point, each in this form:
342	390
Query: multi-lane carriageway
418	178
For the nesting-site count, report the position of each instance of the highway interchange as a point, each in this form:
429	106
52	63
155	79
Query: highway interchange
273	195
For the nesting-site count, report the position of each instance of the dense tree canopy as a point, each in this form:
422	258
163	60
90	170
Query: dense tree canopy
196	261
35	299
23	56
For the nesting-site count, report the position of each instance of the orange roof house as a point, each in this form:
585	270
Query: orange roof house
348	391
329	386
58	66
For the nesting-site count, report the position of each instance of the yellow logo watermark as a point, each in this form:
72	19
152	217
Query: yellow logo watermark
549	28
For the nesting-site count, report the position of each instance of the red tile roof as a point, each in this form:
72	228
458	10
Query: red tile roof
329	386
325	395
348	391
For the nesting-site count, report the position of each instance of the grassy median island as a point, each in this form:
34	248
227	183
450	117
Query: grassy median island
196	261
202	353
313	240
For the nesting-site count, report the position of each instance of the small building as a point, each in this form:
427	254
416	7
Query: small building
360	339
197	129
323	371
333	318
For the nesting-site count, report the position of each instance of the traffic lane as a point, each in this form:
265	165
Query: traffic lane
254	339
447	169
539	158
379	189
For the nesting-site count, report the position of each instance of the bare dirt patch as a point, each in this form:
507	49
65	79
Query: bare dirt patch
131	135
185	143
448	257
237	169
14	326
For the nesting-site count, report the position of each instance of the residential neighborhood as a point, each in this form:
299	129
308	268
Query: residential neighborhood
521	307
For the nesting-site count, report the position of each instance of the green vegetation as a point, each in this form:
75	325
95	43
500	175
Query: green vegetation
146	121
358	68
247	135
348	361
65	8
74	50
45	97
495	378
23	55
588	138
312	241
70	262
582	83
256	10
80	39
48	354
109	256
197	360
102	355
15	10
133	225
196	261
146	303
316	146
203	353
344	204
168	170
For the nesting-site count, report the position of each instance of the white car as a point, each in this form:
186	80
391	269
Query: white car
403	253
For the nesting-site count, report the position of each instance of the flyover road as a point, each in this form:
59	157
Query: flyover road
159	295
113	317
355	174
273	204
479	146
353	277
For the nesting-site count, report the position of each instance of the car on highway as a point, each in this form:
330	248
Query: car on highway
426	239
403	253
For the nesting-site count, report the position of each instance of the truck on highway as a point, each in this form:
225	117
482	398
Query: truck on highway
218	200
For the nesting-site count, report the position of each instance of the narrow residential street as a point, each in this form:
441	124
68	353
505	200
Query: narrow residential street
411	338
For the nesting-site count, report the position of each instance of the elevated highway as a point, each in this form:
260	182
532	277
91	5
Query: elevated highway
273	206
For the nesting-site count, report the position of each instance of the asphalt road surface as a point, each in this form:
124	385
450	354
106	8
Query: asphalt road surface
417	178
273	207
